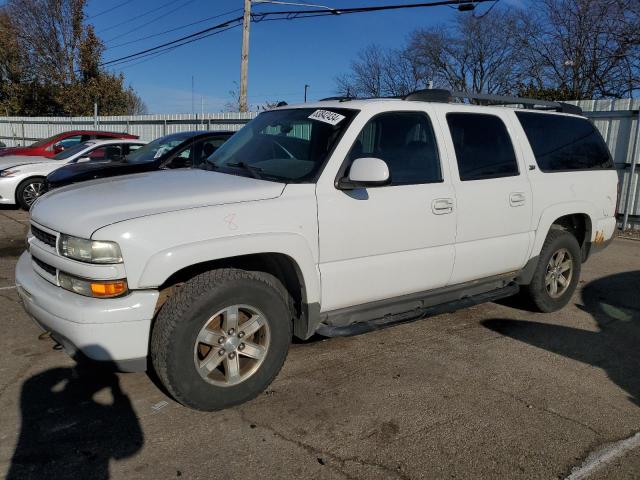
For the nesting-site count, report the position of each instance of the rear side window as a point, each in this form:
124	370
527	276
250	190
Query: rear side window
562	143
483	146
406	142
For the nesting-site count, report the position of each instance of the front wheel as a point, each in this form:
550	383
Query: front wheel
222	338
28	191
558	272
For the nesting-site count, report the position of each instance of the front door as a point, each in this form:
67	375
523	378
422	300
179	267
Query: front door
393	240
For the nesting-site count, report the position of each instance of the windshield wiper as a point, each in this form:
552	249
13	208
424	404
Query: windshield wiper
254	171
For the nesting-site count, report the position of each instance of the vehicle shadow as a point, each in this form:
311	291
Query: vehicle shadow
614	302
74	421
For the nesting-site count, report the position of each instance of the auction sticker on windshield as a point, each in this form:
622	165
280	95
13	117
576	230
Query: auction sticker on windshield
326	116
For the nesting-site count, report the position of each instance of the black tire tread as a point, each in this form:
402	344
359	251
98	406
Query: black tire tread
20	188
177	305
534	291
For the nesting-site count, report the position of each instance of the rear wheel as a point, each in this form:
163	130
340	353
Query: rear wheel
558	272
222	338
28	191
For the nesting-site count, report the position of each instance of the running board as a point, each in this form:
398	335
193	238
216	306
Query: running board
412	315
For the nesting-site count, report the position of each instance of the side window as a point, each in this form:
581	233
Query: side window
182	159
70	141
130	147
106	153
406	142
564	143
483	146
208	147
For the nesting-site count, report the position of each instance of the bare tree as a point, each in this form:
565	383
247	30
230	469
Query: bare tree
586	48
377	72
475	54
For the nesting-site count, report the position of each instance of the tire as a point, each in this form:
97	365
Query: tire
541	291
201	374
28	191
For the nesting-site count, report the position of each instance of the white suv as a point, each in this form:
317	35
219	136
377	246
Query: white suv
333	218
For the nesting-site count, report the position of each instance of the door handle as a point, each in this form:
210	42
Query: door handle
441	206
517	199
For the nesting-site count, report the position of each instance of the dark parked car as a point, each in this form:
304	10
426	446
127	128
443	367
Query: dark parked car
49	147
178	150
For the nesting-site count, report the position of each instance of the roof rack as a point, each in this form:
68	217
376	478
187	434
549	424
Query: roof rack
445	96
441	95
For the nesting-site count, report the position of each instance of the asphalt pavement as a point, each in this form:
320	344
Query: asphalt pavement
493	391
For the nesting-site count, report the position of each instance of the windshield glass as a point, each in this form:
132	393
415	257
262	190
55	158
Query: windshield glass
283	145
71	151
154	150
44	141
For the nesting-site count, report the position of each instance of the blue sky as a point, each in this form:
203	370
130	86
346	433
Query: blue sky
284	55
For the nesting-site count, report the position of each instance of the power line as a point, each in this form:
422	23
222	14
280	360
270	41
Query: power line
284	15
132	19
186	39
173	29
122	4
167	49
153	20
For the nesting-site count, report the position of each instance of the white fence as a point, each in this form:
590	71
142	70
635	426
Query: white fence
616	119
16	131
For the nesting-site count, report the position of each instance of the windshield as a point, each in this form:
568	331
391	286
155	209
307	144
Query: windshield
71	151
283	145
154	150
43	142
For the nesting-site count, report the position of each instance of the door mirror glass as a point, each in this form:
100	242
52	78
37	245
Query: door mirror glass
366	172
58	147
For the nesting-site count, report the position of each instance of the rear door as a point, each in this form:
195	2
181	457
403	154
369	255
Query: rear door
493	193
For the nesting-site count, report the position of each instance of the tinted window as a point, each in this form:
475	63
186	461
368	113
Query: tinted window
159	147
564	143
71	151
483	147
405	141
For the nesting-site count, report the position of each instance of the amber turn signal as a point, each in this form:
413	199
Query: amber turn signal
109	289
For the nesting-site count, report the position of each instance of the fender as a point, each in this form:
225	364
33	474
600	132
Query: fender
165	263
554	212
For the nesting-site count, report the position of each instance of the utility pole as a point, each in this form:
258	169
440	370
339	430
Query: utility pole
305	92
244	65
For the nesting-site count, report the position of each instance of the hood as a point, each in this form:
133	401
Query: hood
83	208
8	161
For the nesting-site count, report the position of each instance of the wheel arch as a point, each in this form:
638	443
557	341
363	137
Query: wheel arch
576	217
293	267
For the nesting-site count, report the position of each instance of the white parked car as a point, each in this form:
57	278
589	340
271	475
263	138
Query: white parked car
334	218
22	178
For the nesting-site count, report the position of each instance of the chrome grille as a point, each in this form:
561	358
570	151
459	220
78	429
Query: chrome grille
43	236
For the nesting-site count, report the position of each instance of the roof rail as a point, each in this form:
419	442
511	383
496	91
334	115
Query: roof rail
340	99
445	96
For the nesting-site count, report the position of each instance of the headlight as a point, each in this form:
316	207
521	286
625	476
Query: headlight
90	251
8	173
92	288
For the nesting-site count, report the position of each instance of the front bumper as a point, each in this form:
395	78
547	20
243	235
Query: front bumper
112	330
8	187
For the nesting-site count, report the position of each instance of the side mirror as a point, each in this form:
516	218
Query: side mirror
83	159
57	148
366	172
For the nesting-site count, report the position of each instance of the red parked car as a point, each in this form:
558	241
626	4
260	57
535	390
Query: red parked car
53	145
